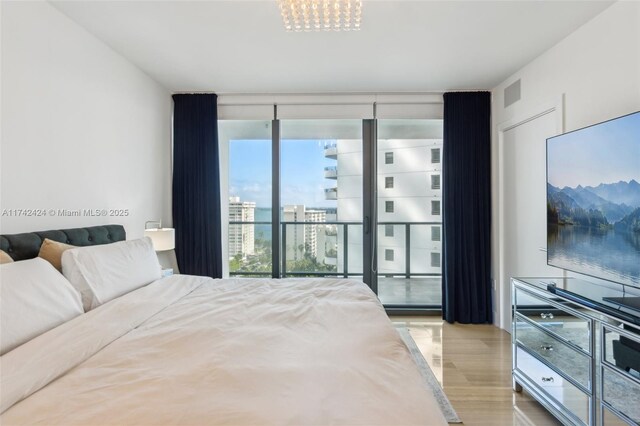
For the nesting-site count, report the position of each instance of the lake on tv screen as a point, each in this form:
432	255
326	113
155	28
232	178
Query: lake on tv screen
608	254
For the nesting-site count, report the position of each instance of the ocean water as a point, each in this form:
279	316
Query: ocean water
263	232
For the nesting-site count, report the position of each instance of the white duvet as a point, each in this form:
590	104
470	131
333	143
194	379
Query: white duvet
191	350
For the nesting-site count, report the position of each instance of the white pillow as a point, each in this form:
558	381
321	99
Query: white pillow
104	272
34	298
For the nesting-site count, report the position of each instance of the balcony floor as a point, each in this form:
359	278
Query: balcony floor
412	291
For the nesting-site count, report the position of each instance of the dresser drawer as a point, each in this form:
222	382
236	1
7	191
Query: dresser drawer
555	318
622	349
621	393
563	393
611	419
573	363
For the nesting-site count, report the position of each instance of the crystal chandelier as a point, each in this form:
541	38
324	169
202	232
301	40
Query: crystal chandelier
321	15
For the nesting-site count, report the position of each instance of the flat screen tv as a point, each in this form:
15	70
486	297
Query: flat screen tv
593	200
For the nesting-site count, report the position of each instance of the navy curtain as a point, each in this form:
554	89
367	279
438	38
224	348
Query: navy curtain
196	185
466	200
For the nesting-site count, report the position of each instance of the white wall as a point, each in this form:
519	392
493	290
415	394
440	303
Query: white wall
597	68
82	128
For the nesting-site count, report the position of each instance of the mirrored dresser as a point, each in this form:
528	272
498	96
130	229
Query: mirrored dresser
576	349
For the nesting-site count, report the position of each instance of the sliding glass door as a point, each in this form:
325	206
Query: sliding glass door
354	199
321	197
246	145
409	224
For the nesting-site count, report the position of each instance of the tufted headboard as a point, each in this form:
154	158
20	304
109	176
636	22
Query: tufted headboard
27	245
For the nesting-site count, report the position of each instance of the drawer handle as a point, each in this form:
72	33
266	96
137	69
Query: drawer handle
547	348
547	379
546	316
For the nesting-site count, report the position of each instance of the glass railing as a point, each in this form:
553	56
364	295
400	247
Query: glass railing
335	249
331	231
331	193
331	172
331	150
321	249
409	249
410	276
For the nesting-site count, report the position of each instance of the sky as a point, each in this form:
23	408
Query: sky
605	153
302	172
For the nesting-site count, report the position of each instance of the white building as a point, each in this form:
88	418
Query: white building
241	237
409	191
303	239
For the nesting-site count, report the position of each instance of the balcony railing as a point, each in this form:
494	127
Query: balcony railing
331	150
331	172
331	254
331	230
331	193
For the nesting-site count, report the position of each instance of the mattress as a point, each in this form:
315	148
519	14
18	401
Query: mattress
193	350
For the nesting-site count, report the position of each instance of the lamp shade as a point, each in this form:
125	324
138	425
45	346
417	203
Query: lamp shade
162	238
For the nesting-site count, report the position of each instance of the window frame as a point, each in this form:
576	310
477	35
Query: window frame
388	182
370	137
439	209
436	181
439	156
439	233
386	231
389	206
389	255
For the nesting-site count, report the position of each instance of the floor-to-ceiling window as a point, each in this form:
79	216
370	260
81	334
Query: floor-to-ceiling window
321	186
247	145
409	154
314	172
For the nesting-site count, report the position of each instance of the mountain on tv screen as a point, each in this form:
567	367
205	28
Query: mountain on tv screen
593	200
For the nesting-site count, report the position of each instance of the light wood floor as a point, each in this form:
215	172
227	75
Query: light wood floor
473	365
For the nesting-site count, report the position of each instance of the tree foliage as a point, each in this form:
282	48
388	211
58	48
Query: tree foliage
261	261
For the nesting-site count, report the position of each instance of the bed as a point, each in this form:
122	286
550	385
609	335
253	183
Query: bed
194	350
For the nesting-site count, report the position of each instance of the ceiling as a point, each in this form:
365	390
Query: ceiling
241	46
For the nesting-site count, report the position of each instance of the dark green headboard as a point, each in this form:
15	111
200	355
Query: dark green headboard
27	245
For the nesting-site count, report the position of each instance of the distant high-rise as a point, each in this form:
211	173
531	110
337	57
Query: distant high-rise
241	237
315	234
303	239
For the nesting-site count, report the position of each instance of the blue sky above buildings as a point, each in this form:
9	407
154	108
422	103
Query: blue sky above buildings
302	172
605	153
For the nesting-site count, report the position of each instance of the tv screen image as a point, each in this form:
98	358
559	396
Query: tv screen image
593	200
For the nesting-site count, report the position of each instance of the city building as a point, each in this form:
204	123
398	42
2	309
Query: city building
241	237
315	234
301	239
409	204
